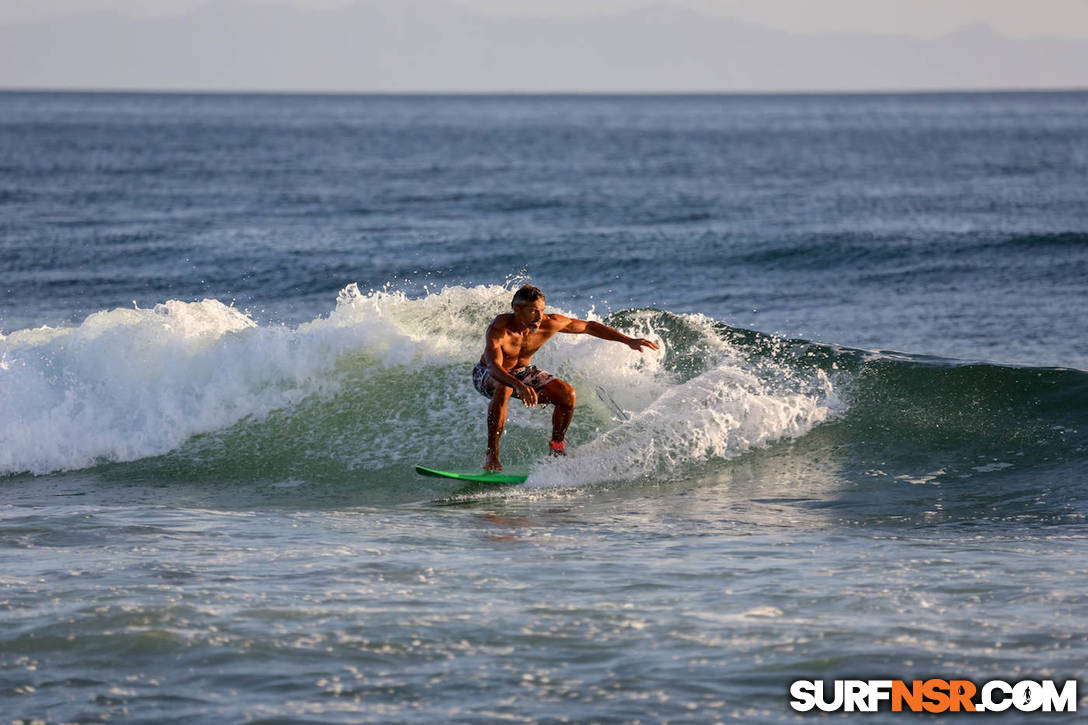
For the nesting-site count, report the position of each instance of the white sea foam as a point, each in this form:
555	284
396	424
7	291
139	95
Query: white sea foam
720	414
730	408
132	383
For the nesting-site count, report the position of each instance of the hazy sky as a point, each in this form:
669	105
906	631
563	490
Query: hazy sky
718	46
1016	18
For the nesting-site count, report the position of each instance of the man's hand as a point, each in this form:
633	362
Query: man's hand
641	343
528	395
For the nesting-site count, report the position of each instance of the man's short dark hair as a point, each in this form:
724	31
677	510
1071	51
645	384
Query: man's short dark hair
526	294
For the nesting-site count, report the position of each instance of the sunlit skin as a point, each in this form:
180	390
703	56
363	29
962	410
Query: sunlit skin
511	341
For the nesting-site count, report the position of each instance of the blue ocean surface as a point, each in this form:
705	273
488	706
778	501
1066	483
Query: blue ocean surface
231	325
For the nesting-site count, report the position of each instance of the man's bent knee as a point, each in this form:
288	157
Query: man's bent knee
561	393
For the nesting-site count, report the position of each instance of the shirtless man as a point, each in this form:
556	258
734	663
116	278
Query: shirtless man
505	370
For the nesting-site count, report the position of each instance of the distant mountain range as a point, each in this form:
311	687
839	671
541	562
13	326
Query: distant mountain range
433	45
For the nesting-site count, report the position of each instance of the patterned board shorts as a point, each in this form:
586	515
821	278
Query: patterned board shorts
531	375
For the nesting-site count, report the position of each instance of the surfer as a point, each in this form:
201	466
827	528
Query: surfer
505	368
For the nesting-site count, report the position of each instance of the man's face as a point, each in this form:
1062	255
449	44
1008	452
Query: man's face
530	314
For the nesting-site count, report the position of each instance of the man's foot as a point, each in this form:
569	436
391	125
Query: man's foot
558	448
492	463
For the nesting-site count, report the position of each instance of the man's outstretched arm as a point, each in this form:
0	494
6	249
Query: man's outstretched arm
596	329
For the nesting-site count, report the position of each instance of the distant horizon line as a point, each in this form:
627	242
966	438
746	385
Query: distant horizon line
529	94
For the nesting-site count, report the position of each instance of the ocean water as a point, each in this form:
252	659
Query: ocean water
231	325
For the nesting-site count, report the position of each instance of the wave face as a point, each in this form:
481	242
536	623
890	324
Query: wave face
380	382
199	391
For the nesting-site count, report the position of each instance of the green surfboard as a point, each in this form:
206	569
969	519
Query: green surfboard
477	476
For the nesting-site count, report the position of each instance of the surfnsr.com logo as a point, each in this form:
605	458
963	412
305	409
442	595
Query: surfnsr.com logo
934	695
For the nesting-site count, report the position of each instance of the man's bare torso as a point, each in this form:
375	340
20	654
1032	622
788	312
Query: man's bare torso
517	347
